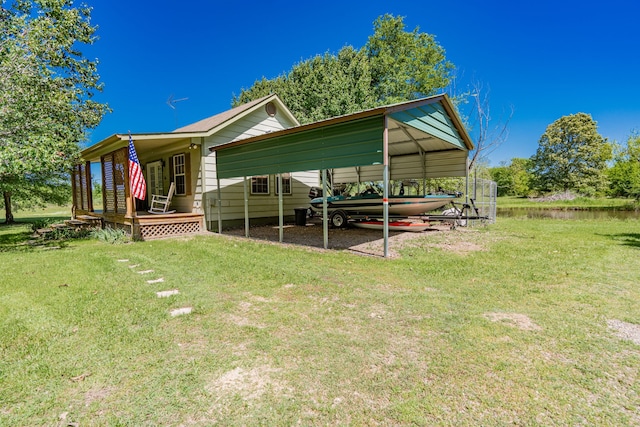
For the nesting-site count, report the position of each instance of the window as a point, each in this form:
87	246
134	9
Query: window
286	184
179	174
260	184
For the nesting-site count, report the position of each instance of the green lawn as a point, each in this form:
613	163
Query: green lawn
504	325
577	203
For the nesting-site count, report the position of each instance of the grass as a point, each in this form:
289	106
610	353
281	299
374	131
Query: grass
491	326
581	203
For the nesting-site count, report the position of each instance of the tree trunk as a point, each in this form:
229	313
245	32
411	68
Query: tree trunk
7	207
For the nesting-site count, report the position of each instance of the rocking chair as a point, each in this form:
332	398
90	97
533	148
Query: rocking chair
160	204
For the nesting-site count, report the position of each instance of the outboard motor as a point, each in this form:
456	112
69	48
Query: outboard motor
315	192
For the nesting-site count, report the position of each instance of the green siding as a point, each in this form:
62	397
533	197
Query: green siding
354	143
431	119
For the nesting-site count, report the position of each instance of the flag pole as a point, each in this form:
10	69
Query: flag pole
137	183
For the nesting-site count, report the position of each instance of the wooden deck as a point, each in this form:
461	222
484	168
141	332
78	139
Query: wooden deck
146	226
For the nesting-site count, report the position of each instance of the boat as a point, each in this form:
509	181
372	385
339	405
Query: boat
393	225
371	204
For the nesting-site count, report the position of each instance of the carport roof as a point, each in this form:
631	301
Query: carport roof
415	127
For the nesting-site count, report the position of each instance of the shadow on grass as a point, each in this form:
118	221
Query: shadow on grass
17	237
627	239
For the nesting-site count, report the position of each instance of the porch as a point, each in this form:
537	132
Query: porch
119	208
146	226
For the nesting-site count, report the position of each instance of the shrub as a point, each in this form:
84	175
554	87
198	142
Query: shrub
110	235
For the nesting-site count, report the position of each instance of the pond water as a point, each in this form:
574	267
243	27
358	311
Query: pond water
566	214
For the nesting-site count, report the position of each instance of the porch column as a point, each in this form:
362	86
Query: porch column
87	170
128	197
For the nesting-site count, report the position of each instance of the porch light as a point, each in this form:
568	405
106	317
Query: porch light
193	146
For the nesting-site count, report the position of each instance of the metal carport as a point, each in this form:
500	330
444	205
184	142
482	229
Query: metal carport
424	136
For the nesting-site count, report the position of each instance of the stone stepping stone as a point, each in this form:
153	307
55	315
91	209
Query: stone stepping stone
160	280
181	311
165	294
145	271
123	260
134	265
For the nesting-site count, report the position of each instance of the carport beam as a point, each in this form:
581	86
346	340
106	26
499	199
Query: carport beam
385	185
246	208
219	206
280	210
325	221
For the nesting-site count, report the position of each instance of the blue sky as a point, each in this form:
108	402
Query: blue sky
545	59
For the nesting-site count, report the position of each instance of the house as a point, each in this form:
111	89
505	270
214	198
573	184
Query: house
184	158
227	168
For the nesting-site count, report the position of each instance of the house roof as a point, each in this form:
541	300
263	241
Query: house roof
209	123
203	128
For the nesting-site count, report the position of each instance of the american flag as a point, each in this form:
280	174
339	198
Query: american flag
136	180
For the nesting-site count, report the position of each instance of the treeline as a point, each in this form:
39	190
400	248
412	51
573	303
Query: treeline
573	156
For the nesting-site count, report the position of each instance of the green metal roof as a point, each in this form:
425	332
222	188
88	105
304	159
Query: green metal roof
421	126
355	143
432	119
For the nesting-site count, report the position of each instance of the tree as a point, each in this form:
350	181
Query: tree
487	133
321	87
394	66
46	90
405	65
512	179
624	175
572	155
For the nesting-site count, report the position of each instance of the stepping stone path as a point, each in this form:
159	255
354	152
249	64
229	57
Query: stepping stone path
161	294
164	294
180	311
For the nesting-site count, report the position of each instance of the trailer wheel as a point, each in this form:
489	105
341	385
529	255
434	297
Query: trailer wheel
338	219
455	215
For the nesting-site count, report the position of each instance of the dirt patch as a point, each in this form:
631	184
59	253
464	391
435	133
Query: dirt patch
248	384
626	331
460	247
96	394
520	321
243	318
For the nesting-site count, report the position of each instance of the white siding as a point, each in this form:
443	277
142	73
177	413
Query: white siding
232	190
260	205
192	202
432	165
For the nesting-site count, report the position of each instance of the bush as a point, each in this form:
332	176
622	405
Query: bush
42	223
110	235
65	233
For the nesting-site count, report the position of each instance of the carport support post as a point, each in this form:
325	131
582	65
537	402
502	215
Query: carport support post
246	208
219	206
325	220
385	186
280	209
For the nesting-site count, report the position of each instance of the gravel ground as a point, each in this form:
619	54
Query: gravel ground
357	240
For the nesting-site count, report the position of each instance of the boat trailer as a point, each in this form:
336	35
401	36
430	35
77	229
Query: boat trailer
458	214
